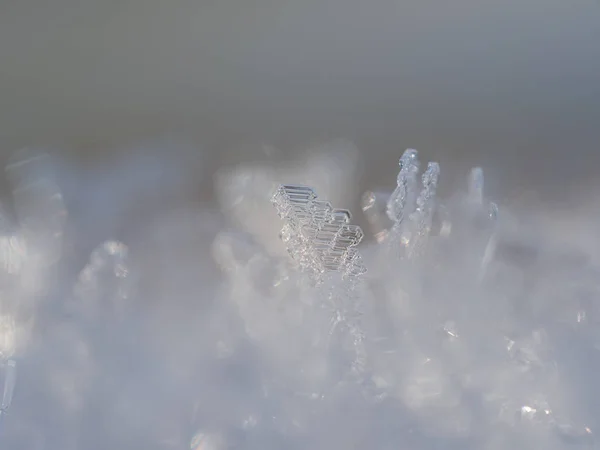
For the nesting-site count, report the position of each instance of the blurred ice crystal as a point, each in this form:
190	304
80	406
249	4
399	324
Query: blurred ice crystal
29	244
105	278
41	213
206	441
10	380
12	253
374	206
7	336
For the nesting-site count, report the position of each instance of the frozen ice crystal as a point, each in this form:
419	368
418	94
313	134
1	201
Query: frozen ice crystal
318	237
411	211
10	381
323	243
475	192
421	218
406	188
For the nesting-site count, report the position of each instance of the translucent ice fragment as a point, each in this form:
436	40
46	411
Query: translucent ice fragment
293	201
481	209
317	237
7	336
476	183
38	201
406	187
423	214
354	265
421	219
10	381
493	211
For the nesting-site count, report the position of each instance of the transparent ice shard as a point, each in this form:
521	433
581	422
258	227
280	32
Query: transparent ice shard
405	191
412	212
481	210
421	219
476	183
10	381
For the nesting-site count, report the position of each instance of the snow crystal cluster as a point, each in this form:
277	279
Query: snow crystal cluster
443	340
452	324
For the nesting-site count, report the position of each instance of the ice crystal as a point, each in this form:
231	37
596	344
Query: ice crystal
412	212
106	277
471	330
318	237
405	191
421	219
29	244
453	333
10	380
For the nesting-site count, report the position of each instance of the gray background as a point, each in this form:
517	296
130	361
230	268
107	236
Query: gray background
511	84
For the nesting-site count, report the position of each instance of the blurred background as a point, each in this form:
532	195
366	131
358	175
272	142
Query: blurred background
509	84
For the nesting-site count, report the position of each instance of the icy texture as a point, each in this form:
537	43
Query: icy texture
482	335
475	192
323	242
10	380
461	338
30	243
406	189
319	238
410	211
421	219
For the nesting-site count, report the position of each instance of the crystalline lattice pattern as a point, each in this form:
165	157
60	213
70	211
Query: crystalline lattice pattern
318	237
